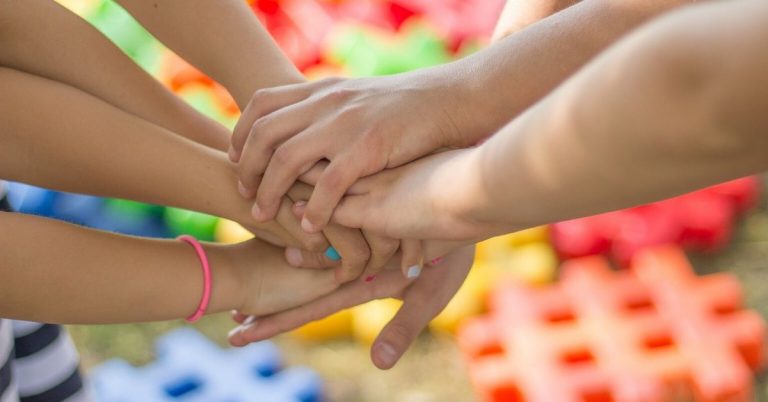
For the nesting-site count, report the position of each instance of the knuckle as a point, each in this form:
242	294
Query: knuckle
260	95
283	156
315	244
399	334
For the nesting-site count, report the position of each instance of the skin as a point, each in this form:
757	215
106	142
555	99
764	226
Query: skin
117	279
366	125
89	62
706	109
84	112
209	35
695	118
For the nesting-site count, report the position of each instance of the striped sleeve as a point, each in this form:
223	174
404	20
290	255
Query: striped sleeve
46	363
7	385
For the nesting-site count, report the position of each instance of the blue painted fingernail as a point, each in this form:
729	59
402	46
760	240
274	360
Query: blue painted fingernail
332	254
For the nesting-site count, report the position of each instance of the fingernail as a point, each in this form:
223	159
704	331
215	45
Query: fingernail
370	278
235	331
386	353
299	204
307	226
232	154
242	190
293	256
250	321
414	272
332	254
257	212
436	261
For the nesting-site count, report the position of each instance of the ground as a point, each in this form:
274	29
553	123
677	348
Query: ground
432	371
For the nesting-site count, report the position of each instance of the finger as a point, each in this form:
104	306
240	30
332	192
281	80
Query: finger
423	301
270	131
333	183
354	211
398	335
313	175
263	102
292	158
308	259
290	223
353	249
349	244
413	258
238	317
388	284
382	250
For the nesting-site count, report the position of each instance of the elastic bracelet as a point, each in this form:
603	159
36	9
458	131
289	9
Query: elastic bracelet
206	277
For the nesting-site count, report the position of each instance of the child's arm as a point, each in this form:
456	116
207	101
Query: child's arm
56	272
58	137
222	38
65	48
365	125
225	40
676	106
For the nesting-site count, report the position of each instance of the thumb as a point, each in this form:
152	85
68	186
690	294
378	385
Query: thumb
398	335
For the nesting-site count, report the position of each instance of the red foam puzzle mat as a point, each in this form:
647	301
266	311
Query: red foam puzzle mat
657	332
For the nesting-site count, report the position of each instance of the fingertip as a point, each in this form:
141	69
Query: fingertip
308	226
262	214
243	190
234	156
293	256
384	355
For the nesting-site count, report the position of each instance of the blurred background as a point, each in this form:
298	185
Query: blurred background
723	229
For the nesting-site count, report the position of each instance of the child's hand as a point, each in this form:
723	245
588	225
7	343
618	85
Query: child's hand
268	284
423	299
420	200
361	125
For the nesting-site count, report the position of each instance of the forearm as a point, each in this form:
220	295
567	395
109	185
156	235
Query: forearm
526	66
58	137
222	38
86	276
65	48
662	113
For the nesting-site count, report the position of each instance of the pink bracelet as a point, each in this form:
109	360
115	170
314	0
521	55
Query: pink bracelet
206	277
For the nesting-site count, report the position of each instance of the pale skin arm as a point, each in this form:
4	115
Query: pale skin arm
366	125
87	277
695	117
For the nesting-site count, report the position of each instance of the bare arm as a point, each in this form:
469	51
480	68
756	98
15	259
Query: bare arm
65	48
676	106
222	38
366	125
87	276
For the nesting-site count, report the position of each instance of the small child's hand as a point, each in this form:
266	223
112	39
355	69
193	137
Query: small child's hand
267	283
423	299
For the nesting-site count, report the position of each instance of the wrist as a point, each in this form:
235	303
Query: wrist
469	80
465	197
227	291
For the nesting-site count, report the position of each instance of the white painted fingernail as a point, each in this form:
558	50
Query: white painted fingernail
414	272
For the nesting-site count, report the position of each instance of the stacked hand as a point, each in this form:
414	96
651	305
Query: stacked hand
356	138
